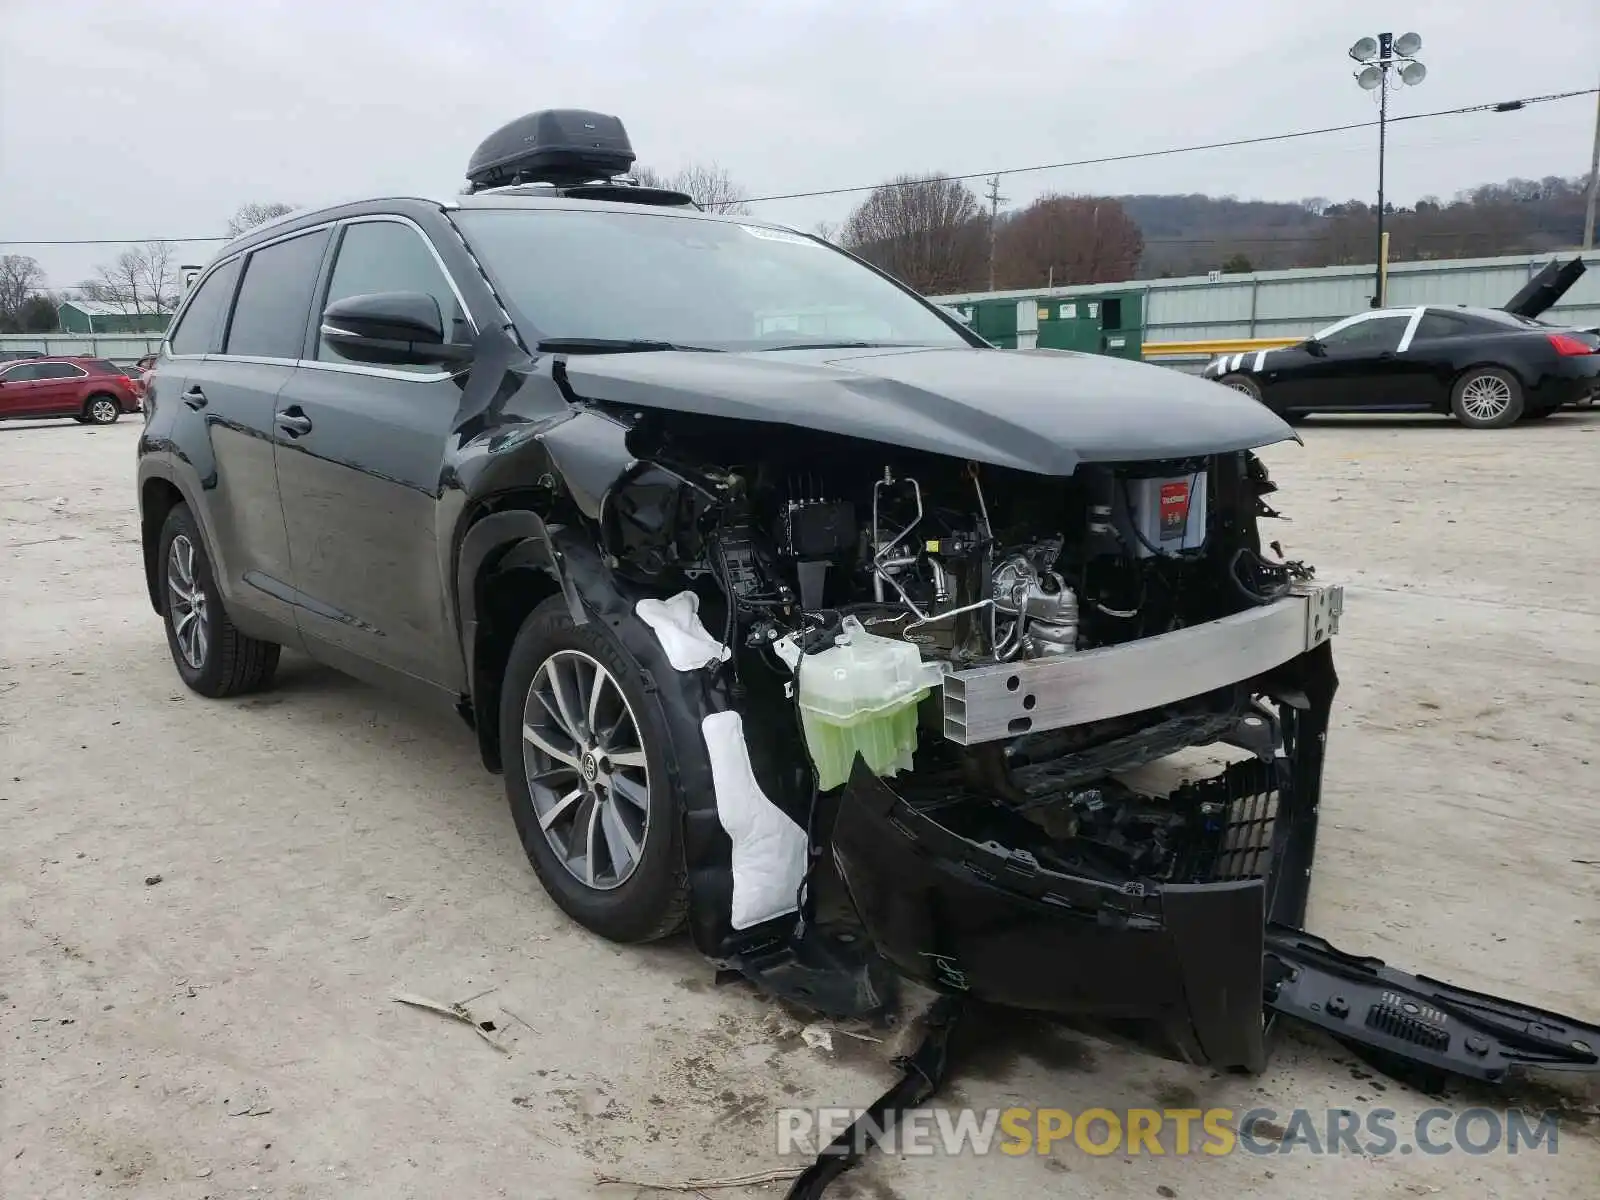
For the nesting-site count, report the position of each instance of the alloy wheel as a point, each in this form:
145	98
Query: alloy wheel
1485	397
186	607
586	769
103	411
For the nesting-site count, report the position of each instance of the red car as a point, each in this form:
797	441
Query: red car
89	390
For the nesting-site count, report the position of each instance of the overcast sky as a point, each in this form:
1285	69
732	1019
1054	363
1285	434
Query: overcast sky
140	118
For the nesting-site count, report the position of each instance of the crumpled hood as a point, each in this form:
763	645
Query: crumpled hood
1043	411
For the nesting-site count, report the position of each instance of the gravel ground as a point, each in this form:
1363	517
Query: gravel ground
229	1030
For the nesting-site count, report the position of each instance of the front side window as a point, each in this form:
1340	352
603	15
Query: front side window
201	324
689	281
1375	334
387	256
269	318
19	374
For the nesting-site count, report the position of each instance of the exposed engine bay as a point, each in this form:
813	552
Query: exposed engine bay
977	567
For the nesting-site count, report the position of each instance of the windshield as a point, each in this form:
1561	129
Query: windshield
613	276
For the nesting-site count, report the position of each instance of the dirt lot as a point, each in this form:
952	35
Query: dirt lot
229	1031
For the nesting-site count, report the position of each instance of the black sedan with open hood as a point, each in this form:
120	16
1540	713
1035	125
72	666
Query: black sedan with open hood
1488	367
792	612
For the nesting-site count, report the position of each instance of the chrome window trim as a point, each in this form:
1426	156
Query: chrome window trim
183	309
315	364
312	364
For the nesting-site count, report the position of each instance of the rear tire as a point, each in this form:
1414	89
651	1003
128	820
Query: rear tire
211	655
1487	398
638	901
101	409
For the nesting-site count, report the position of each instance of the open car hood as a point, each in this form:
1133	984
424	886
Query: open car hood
1035	410
1545	288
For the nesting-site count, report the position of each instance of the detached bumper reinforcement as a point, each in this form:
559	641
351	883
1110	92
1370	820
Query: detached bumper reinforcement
1417	1022
986	704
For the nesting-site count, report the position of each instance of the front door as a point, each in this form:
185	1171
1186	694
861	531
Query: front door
1355	370
360	462
18	382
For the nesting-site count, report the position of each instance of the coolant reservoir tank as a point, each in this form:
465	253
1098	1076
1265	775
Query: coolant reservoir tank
861	696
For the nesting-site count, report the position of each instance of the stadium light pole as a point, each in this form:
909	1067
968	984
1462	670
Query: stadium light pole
1378	56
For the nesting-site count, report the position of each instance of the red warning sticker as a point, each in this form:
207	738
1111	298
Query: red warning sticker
1174	510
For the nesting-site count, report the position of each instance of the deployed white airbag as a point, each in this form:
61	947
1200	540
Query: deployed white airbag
769	848
677	627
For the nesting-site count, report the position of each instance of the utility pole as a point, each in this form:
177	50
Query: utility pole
1385	46
1594	182
995	201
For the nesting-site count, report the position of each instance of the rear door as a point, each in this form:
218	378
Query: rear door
58	390
360	460
232	393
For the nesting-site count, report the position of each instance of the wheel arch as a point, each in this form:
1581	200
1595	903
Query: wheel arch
1518	370
509	563
158	496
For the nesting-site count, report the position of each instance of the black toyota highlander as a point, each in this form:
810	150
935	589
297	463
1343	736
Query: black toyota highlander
791	611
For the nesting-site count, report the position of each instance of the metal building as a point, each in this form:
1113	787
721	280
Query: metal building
1296	303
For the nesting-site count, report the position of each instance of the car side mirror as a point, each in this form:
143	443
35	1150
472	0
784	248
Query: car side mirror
390	328
1315	348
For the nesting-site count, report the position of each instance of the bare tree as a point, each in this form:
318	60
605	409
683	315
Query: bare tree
160	278
256	212
20	278
1068	239
712	187
828	231
927	232
707	184
139	280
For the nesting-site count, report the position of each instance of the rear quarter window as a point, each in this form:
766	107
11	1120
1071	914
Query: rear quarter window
201	323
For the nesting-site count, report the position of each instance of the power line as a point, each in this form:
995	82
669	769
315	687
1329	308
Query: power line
105	241
1263	139
1500	106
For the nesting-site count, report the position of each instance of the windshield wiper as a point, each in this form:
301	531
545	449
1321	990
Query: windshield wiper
835	346
588	345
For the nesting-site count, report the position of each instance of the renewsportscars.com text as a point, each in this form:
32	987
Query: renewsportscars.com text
1373	1132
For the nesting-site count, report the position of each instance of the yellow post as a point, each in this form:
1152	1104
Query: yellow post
1383	270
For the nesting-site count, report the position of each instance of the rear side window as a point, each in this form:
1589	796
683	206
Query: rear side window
1438	325
269	318
202	321
386	256
58	371
105	366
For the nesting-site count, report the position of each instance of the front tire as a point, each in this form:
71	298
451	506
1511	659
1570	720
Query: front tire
101	409
588	776
1487	398
1242	383
211	655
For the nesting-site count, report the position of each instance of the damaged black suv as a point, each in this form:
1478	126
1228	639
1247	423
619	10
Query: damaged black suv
791	610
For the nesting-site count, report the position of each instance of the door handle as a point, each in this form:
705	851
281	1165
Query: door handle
294	422
195	398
